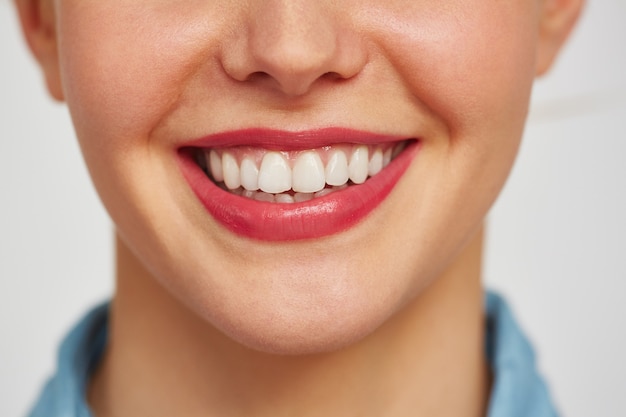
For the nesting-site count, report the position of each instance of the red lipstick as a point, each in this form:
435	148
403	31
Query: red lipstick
311	219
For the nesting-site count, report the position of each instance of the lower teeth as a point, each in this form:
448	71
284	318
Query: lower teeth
288	197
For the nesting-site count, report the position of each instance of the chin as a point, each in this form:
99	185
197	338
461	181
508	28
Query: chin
288	318
296	336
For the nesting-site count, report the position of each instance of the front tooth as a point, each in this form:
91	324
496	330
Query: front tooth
249	175
215	164
337	169
376	163
358	165
308	173
274	174
231	171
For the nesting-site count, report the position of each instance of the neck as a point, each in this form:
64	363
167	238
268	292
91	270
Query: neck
427	360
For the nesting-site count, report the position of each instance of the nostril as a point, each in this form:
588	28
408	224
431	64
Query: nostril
336	77
258	76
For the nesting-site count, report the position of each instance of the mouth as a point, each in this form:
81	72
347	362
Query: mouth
281	186
294	176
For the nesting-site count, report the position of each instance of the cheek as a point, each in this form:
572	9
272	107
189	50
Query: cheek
124	63
122	73
465	61
124	66
472	66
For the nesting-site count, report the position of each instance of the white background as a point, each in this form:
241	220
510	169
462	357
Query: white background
556	243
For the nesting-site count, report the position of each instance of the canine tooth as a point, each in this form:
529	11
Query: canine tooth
231	171
249	175
300	197
337	169
274	174
358	165
387	157
376	163
308	173
284	198
261	196
215	165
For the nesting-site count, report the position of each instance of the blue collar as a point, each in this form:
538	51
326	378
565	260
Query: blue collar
518	390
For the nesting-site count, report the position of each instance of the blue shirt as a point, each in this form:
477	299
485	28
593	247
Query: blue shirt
518	390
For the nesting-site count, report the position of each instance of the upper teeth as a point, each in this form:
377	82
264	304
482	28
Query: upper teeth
305	172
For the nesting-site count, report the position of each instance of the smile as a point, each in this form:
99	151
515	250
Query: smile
277	185
295	176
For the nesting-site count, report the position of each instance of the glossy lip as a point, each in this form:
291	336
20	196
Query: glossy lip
311	219
290	141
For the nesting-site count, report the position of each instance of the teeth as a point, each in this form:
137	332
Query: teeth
324	192
215	162
300	197
246	193
387	157
308	173
397	150
358	165
231	171
275	174
376	163
284	198
275	181
269	198
249	175
337	169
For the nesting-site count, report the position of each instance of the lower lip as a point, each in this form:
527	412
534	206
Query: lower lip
311	219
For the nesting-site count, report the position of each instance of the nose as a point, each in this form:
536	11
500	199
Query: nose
289	45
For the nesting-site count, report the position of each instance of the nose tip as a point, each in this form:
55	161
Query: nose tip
295	65
290	45
291	83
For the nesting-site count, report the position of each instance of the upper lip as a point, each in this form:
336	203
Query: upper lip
272	139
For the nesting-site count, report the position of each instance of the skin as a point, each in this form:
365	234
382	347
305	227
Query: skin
382	319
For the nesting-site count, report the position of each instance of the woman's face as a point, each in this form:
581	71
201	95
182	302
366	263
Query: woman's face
154	86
